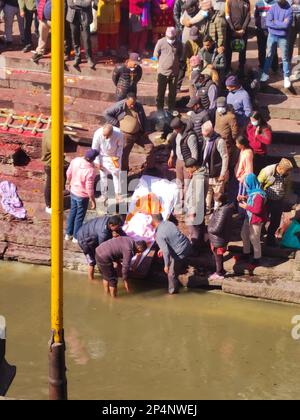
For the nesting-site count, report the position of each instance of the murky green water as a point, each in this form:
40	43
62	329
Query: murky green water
149	345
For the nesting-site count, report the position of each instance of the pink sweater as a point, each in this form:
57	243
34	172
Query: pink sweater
81	175
244	165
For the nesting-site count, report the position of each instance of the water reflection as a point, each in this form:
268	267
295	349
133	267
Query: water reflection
149	345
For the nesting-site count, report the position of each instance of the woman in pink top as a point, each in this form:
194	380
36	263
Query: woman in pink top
80	180
244	165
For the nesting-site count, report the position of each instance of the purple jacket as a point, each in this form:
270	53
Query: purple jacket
47	9
241	104
276	19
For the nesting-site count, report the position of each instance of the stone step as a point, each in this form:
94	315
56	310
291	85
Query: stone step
93	88
79	110
285	131
19	61
280	106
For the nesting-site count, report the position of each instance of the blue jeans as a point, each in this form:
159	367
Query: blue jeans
79	206
282	43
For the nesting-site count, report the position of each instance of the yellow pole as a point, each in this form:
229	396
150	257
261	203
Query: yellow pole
57	379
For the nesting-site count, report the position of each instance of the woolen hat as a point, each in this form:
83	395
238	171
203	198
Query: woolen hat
232	81
91	154
176	123
134	57
285	164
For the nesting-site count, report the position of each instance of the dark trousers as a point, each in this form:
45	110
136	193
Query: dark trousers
196	233
163	82
78	31
228	51
28	18
175	268
262	37
219	260
275	210
294	31
68	38
259	162
141	140
47	190
181	75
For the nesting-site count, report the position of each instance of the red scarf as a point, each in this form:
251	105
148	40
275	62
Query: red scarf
40	10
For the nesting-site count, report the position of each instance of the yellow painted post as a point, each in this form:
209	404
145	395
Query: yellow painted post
57	376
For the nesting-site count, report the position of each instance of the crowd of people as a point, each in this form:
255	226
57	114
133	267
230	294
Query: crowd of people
218	149
210	29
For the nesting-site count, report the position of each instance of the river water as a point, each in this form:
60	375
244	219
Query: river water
148	345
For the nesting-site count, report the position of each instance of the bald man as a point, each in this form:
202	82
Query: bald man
109	142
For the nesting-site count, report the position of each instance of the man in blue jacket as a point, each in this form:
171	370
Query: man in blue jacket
44	15
260	15
279	20
239	99
94	233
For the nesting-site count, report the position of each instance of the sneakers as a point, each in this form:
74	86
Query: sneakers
36	57
48	210
216	276
75	241
91	64
68	237
295	77
264	77
27	48
287	83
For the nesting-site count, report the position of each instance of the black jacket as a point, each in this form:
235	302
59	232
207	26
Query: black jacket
95	232
117	112
220	226
84	8
125	80
178	11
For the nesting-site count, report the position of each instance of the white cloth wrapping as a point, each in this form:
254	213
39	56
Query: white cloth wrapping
140	227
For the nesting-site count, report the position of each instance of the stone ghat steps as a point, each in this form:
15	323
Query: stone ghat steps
282	105
93	88
104	67
18	61
285	131
84	111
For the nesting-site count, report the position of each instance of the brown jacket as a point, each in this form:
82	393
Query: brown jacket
226	125
116	249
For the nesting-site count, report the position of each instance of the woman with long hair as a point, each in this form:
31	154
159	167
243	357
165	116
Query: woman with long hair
259	135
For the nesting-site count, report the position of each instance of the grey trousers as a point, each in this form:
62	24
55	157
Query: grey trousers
9	14
175	267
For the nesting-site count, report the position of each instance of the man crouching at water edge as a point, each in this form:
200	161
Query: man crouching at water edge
174	248
94	233
116	250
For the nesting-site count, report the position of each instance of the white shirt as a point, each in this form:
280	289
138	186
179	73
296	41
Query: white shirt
111	147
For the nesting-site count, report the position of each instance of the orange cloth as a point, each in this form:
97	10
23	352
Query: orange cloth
148	204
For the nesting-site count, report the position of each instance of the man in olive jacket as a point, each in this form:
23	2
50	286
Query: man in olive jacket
80	17
27	11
